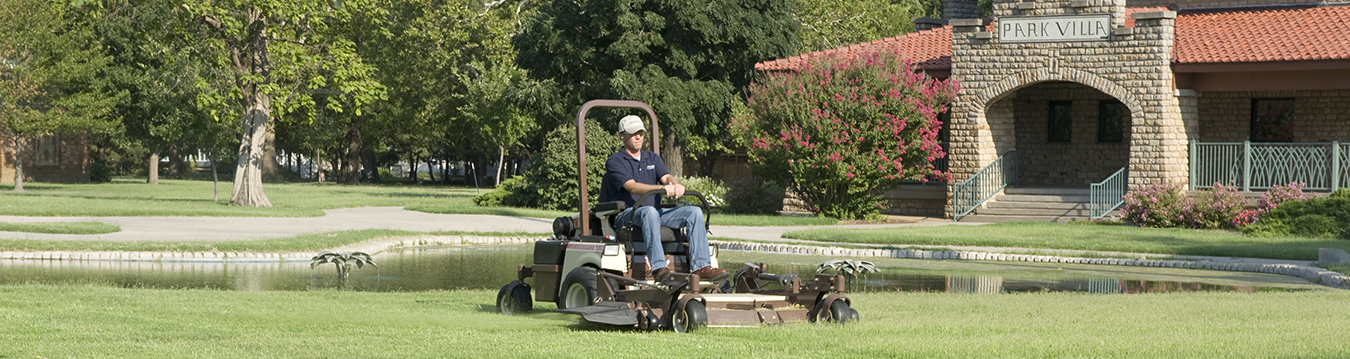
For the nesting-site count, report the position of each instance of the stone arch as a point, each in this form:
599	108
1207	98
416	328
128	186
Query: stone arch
1017	81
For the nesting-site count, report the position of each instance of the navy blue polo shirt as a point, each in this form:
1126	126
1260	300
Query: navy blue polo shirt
621	167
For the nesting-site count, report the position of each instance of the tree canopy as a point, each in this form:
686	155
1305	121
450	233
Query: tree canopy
688	59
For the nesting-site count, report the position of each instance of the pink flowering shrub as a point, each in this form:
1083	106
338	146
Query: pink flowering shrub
1245	218
1217	208
1279	194
1162	206
842	130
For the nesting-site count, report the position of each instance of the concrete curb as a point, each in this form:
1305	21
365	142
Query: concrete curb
1312	274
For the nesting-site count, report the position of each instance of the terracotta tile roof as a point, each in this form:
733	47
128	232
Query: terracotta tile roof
1287	34
1257	35
932	49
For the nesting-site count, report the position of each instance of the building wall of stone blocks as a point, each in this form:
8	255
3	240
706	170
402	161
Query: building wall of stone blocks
960	9
917	200
1133	67
69	163
1319	115
1079	162
1191	4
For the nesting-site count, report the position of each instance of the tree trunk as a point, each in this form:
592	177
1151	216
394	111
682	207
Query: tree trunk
369	168
215	181
431	170
248	190
152	165
353	162
271	170
176	169
501	163
18	163
315	164
673	154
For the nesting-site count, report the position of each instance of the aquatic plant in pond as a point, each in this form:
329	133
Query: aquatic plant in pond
343	261
849	268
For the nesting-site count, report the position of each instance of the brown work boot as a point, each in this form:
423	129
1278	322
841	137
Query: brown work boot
711	274
660	274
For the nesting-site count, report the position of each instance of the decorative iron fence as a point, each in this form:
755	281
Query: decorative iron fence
1247	165
1108	194
973	192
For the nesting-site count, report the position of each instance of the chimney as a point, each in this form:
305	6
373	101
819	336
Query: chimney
925	23
960	9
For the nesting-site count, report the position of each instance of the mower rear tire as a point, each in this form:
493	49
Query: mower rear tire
514	298
693	316
578	289
840	312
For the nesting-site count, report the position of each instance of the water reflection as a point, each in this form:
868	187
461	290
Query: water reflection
489	267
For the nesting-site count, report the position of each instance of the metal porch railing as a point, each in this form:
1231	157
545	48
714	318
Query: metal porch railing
1108	194
1248	166
973	192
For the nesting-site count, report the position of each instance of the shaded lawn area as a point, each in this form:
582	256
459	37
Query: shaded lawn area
1091	238
126	197
135	198
302	243
97	321
1085	237
60	227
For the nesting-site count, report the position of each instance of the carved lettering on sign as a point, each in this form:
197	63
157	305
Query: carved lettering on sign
1026	29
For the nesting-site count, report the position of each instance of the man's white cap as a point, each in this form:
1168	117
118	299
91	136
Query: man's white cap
631	124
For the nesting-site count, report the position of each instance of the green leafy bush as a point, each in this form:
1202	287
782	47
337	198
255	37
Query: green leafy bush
497	196
754	196
711	189
551	181
1327	217
100	173
1341	193
842	130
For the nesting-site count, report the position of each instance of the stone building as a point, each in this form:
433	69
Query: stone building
1066	104
59	158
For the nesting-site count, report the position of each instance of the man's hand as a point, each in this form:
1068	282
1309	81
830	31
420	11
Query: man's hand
674	190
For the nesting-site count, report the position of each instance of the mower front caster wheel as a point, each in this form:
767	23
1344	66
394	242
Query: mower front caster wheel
514	298
837	312
693	316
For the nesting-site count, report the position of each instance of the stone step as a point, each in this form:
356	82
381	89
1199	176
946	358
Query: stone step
1041	198
1084	212
1057	191
984	218
1037	205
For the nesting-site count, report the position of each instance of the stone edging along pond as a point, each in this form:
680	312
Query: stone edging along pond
1312	274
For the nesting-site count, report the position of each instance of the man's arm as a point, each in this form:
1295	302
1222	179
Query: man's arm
673	189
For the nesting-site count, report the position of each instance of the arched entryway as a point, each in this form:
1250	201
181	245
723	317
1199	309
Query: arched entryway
1066	134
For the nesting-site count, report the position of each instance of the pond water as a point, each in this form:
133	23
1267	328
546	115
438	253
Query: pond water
491	266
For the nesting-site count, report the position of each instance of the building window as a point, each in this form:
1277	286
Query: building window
1061	121
1272	120
47	153
1111	117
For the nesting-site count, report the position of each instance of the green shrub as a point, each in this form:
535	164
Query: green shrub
551	181
1317	217
754	196
100	173
387	175
711	189
497	196
1341	193
1217	208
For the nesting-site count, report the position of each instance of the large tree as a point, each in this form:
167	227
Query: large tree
828	24
50	80
282	53
687	58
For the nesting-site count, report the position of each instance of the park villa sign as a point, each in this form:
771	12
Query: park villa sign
1026	29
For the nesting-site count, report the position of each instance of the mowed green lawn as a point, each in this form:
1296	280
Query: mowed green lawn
1084	237
134	198
96	321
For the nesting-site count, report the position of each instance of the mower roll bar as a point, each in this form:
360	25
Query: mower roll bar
581	147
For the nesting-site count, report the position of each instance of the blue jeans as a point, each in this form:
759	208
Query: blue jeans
688	217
